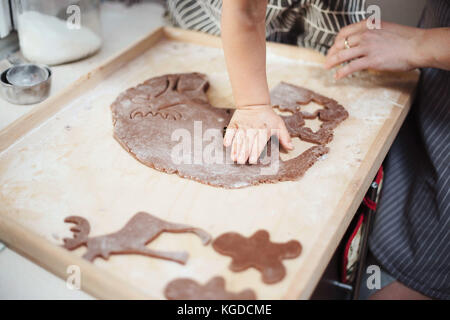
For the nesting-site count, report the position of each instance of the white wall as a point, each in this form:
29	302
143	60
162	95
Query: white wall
400	11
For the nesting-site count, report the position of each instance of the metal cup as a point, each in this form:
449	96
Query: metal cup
25	83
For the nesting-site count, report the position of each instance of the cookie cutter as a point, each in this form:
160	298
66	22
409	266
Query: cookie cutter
25	83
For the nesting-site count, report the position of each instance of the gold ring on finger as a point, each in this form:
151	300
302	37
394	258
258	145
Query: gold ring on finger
346	44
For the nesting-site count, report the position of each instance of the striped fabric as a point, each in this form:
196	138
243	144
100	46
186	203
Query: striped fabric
411	235
308	23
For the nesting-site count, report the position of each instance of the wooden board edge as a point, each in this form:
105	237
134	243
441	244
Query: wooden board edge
349	205
103	285
190	36
204	39
52	105
28	243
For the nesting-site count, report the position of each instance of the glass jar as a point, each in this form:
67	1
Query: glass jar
58	31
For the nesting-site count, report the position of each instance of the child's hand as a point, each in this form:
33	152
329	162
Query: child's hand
249	130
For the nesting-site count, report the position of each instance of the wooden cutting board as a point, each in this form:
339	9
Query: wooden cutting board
61	160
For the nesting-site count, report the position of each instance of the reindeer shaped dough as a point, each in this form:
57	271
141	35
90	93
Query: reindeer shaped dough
131	239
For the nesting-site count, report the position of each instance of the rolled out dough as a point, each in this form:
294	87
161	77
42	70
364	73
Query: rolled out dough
152	120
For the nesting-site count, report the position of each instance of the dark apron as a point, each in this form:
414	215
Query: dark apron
411	235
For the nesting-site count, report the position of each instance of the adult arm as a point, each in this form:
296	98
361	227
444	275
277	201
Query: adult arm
392	48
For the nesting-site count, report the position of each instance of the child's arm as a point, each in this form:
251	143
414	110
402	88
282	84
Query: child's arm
244	44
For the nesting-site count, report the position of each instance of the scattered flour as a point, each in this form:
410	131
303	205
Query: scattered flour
46	39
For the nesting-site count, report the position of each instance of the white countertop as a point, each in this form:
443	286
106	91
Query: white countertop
19	277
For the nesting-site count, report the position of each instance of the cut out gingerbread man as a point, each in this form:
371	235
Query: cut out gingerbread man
257	252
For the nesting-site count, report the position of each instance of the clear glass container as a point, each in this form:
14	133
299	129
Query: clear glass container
58	31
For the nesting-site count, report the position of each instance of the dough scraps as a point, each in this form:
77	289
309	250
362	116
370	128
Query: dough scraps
257	252
146	117
214	289
131	239
288	97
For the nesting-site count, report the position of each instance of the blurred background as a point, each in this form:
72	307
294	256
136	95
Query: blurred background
401	11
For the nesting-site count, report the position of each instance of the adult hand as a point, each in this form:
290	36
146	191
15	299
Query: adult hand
392	48
249	130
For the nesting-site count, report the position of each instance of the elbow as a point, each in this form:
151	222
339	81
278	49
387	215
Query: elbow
254	14
246	13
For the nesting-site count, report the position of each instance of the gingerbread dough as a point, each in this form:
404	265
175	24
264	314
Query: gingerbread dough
131	239
290	98
214	289
257	252
145	117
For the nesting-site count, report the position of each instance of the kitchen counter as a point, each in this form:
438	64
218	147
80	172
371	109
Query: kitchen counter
19	277
338	193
